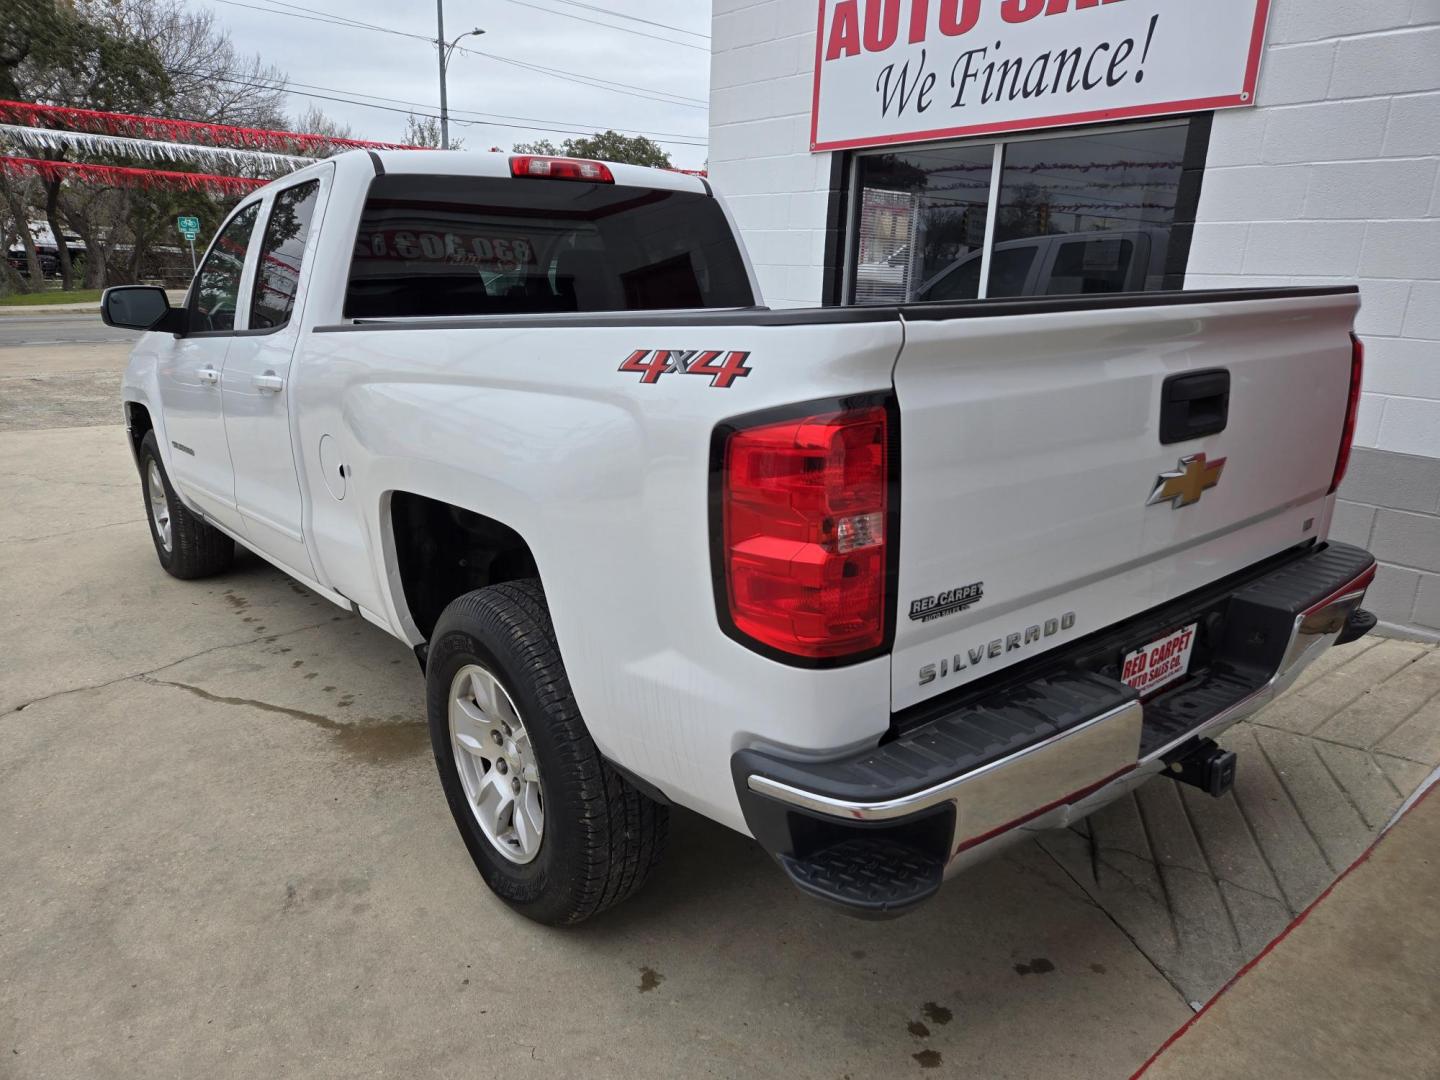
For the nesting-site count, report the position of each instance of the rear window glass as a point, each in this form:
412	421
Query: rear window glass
453	245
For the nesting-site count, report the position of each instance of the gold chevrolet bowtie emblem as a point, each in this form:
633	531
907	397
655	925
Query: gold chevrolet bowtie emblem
1185	486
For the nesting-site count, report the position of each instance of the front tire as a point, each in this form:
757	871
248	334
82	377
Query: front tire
187	547
554	830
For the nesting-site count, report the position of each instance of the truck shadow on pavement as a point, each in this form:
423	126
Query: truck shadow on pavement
251	849
718	922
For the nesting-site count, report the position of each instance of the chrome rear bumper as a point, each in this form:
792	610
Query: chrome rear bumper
1052	781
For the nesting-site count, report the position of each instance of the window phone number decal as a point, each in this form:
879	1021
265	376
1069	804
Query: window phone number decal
651	364
466	249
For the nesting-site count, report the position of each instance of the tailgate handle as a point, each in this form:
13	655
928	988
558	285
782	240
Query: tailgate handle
1194	405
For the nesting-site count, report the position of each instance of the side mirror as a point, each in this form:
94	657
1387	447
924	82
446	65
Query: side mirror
141	307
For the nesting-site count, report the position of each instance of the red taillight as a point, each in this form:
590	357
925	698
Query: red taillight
1347	437
805	505
531	166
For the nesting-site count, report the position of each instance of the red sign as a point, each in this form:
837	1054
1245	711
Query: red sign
892	71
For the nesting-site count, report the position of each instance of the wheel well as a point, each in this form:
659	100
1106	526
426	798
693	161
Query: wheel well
137	420
444	551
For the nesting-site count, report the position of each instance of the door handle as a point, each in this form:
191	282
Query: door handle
1194	405
269	383
209	376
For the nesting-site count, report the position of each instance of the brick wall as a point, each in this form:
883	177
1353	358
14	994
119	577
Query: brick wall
763	60
1334	177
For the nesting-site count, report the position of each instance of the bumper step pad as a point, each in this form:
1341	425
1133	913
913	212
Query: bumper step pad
873	877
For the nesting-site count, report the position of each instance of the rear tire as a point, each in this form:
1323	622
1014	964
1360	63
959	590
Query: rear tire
596	837
187	547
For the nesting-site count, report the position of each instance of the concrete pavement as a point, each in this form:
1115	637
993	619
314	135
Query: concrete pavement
59	370
224	852
1353	990
1202	884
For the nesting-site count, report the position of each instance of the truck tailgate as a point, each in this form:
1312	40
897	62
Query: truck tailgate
1031	459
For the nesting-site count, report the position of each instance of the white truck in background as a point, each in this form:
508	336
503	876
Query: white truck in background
885	588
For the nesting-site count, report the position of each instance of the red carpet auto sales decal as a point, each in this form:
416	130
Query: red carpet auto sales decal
889	71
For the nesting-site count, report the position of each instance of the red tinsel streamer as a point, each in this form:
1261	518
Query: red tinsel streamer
154	127
124	176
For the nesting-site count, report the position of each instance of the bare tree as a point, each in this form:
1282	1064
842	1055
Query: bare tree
208	79
155	57
315	121
425	131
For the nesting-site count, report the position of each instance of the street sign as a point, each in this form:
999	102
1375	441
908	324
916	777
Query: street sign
189	227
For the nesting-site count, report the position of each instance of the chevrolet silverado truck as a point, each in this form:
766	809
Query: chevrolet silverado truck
885	588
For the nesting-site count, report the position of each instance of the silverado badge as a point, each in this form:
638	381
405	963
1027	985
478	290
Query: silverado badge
1184	487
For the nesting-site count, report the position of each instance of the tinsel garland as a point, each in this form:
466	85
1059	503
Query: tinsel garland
125	176
89	143
95	121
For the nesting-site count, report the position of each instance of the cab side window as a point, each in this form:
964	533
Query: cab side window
217	287
281	254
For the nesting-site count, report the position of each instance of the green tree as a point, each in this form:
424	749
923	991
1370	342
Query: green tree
604	146
56	52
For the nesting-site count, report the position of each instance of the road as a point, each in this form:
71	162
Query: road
224	851
58	328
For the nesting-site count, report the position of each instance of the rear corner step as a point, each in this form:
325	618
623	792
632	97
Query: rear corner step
1360	623
870	877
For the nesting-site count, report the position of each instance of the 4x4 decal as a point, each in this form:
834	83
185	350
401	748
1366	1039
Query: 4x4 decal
650	364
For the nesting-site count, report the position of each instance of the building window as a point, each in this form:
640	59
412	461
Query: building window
1104	211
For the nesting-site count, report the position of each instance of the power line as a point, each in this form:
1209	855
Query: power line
283	85
316	15
416	108
323	17
483	115
583	80
632	18
611	26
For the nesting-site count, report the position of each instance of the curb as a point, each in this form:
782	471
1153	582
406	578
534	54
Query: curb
8	311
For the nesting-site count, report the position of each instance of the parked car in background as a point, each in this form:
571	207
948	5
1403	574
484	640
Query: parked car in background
1067	264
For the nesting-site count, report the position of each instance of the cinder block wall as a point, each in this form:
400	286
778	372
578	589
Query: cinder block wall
1334	177
761	71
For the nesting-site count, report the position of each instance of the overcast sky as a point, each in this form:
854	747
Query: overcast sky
383	69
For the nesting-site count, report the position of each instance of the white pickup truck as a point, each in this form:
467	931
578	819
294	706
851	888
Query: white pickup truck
885	588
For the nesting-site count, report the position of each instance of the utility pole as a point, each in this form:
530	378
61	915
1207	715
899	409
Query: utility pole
440	46
446	50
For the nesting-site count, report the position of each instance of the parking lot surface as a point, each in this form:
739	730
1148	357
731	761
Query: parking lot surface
225	852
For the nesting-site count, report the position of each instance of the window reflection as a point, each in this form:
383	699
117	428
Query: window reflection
1099	208
217	286
1075	214
278	277
921	213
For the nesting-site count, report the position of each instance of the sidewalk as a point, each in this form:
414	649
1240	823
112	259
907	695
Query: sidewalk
85	308
1350	989
177	297
1201	885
